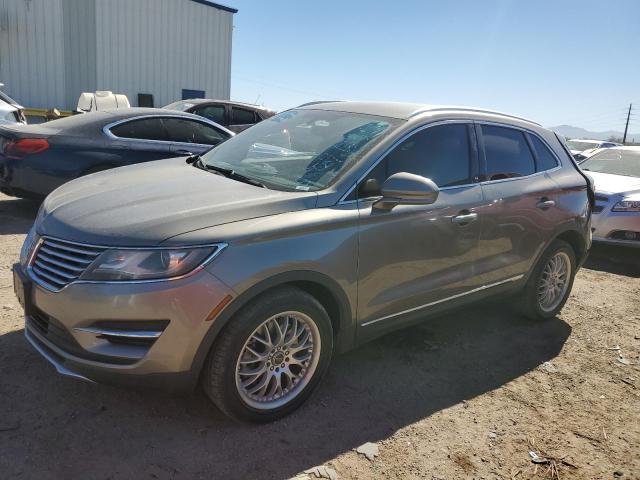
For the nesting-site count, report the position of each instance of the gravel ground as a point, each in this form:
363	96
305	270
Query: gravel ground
467	395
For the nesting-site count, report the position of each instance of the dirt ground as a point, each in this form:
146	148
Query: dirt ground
467	395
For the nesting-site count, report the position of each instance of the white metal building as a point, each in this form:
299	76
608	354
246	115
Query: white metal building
52	50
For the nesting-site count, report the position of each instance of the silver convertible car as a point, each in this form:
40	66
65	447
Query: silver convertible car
616	174
305	235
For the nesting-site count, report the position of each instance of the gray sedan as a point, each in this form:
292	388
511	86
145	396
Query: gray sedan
616	173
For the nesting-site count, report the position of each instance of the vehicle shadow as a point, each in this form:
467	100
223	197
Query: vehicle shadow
16	214
367	395
614	259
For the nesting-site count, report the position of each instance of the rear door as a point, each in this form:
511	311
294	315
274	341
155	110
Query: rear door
416	255
242	118
520	212
139	140
217	113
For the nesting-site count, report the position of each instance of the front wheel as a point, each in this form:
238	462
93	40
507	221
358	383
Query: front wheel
551	281
270	357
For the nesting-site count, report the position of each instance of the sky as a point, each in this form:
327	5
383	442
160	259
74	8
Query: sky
553	61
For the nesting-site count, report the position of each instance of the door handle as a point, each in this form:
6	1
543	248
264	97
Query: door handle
464	219
545	204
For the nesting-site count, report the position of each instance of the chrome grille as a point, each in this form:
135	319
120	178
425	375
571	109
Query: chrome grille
57	263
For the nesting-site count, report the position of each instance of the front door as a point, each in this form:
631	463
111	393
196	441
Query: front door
415	255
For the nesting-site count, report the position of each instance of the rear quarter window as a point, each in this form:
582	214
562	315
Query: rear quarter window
144	129
545	160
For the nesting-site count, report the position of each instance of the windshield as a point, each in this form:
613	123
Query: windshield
581	146
616	162
303	150
180	105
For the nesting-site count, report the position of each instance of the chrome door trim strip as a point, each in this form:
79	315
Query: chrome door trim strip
107	128
442	300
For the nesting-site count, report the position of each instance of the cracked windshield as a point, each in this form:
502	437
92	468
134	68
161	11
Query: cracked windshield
302	150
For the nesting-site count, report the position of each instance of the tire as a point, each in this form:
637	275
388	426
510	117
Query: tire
533	305
237	354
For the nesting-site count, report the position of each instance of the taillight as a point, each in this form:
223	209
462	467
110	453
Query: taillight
25	146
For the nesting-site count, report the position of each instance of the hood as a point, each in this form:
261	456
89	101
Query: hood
144	204
608	183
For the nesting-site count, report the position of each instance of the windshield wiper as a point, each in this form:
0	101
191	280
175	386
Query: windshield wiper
196	161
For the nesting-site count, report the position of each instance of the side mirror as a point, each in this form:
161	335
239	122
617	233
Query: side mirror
406	189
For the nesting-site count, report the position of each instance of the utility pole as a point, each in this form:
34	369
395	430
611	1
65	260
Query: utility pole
626	127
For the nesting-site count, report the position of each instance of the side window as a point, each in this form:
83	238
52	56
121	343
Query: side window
441	153
545	160
191	131
145	129
215	113
507	153
241	116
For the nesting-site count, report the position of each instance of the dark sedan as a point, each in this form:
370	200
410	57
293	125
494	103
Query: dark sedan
236	116
36	159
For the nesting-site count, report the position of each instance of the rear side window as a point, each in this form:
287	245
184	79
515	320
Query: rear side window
441	153
190	131
215	113
507	153
545	160
145	129
241	116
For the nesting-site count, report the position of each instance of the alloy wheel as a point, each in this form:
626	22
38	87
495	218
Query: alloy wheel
278	360
554	281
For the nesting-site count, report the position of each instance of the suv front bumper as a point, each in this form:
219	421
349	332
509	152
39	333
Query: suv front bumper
132	333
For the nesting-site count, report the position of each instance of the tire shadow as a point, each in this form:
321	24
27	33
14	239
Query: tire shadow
612	259
367	395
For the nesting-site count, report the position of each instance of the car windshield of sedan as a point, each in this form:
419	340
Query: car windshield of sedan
581	146
303	150
616	162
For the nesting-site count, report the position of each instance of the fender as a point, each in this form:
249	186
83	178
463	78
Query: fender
580	256
345	338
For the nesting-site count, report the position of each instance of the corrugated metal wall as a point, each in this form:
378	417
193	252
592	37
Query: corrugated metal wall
52	50
161	47
79	24
31	51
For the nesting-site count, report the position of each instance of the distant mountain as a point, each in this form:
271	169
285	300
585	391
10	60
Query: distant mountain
577	132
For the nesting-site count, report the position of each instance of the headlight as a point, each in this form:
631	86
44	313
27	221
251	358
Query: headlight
152	264
627	206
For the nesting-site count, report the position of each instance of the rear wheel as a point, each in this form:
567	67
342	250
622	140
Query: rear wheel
551	281
271	356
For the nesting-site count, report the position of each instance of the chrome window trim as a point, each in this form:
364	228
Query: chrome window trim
107	129
384	154
442	300
39	281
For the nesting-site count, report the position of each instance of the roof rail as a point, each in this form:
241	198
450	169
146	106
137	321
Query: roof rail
318	102
475	110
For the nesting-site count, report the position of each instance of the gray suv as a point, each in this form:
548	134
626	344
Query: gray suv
318	229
